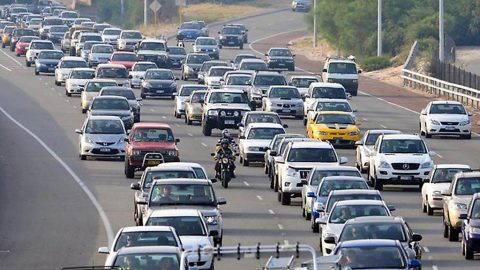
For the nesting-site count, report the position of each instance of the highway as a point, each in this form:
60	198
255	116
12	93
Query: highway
56	210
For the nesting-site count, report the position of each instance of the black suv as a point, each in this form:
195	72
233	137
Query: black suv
280	58
231	36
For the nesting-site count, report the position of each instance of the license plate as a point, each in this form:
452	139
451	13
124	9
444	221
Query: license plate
281	64
51	69
286	110
231	43
449	127
160	91
406	177
104	150
153	162
229	122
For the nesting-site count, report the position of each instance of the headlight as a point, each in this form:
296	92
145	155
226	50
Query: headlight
460	206
213	112
321	132
384	165
318	206
464	123
331	80
136	152
211	220
434	122
474	230
172	153
236	114
427	165
122	139
224	160
354	133
292	172
257	91
437	193
223	114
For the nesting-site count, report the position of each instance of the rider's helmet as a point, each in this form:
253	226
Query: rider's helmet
225	133
224	143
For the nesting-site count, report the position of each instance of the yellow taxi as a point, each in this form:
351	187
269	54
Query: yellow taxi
340	128
7	35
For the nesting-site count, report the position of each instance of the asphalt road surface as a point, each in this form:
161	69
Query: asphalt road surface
57	210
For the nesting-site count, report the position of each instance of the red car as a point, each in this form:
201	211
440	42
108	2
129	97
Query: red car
23	43
149	144
124	58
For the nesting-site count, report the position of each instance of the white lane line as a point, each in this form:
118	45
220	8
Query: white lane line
393	104
59	94
5	67
177	125
13	59
152	110
40	79
271	212
246	183
190	134
383	126
5	251
438	155
66	100
280	226
259	198
434	267
164	117
364	119
75	107
426	249
204	144
53	88
267	37
103	216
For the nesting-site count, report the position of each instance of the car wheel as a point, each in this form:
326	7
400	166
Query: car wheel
37	73
175	113
142	94
467	137
429	209
241	46
246	162
129	170
305	121
285	198
315	227
206	129
172	97
424	206
84	110
445	227
279	196
272	182
67	93
57	83
452	234
377	184
468	252
189	122
28	64
265	168
18	55
428	135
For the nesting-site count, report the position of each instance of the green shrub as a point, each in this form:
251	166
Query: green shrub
375	63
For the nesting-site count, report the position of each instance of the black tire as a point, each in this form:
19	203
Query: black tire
246	162
427	135
468	252
305	121
82	157
67	93
241	46
315	227
377	184
424	207
172	97
189	122
28	64
176	114
129	170
84	110
142	94
272	182
354	93
3	45
206	129
37	73
466	137
12	48
452	234
429	210
265	168
285	198
445	229
225	179
275	183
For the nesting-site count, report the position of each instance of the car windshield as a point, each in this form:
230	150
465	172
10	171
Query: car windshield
475	213
329	92
342	68
226	97
231	31
41	46
312	155
153	135
69	14
188	90
284	93
81	74
339	184
128	57
303	82
112	72
131	35
335	119
152	46
110	104
207	65
191	26
264	133
239	58
197	58
197	97
219	72
88	45
332	199
104	127
97	86
257	66
50	55
184	226
267	80
146	260
374	230
23	32
59	29
467	186
262	118
111	32
445	175
372	138
318	175
280	53
73	64
91	38
328	106
128	94
238	80
372	257
177	51
36	22
341	213
27	39
102	49
182	194
144	67
407	146
165	174
447	109
145	238
159	75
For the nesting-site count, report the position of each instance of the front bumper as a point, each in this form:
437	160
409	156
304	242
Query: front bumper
21	51
206	261
292	184
137	160
255	156
99	150
402	177
135	82
449	129
281	65
159	92
222	122
231	42
74	89
287	110
335	139
45	69
350	86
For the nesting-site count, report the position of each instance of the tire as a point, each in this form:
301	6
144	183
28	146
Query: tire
429	210
225	179
241	46
275	183
206	129
246	162
3	45
189	122
298	117
452	234
82	157
354	93
37	73
272	182
176	114
377	184
84	110
466	137
265	168
172	97
305	121
67	93
57	83
28	64
445	229
468	252
18	55
142	94
129	170
424	207
315	227
12	48
285	198
279	196
427	135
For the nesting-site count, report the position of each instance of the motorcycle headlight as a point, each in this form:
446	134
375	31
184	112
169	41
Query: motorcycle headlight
213	112
434	122
211	220
384	165
223	114
292	172
136	152
427	165
474	230
225	160
464	123
460	206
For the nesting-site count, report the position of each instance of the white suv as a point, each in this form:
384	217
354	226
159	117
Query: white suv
445	118
257	138
342	71
399	159
298	159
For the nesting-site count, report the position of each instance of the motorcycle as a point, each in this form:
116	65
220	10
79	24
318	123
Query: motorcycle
225	162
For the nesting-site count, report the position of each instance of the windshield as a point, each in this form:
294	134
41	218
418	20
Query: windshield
165	174
303	82
197	58
339	184
159	75
257	66
197	97
207	65
225	97
341	213
153	135
41	45
111	32
328	92
88	45
238	80
97	86
284	93
403	146
143	67
152	46
335	119
239	58
177	51
121	93
184	226
333	106
192	26
110	104
146	260
59	29
36	22
27	39
264	133
182	194
81	74
467	186
280	53
73	64
68	14
267	80
50	55
445	175
146	238
128	57
131	35
218	72
104	127
52	22
371	230
262	118
332	199
23	32
312	155
447	109
188	90
342	68
91	38
102	49
372	138
372	257
112	72
231	31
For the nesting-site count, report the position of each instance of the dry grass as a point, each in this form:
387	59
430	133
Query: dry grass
159	30
304	46
218	12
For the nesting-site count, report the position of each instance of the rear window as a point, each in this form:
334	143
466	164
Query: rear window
332	199
331	185
329	92
140	239
318	175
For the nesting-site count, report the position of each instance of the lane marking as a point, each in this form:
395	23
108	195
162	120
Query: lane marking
394	104
426	249
5	251
271	212
259	198
190	134
246	183
66	100
267	37
13	59
383	126
204	144
280	226
46	83
164	117
103	216
75	107
364	119
434	267
5	67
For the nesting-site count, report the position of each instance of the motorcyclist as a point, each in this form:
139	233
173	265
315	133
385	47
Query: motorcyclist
222	151
226	136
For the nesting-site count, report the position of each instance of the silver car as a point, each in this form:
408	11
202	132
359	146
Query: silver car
284	100
99	54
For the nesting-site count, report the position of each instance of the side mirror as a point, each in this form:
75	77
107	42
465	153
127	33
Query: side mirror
330	240
285	126
462	216
426	180
212	154
273	153
93	76
266	54
139	99
240	125
446	193
391	207
359	71
324	70
416	237
135	186
358	143
423	112
343	160
78	131
214	180
221	201
142	202
220	46
103	250
176	78
242	137
177	140
311	194
321	220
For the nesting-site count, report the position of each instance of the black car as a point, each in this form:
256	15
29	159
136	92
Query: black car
113	106
280	58
159	82
243	28
47	60
231	36
17	34
177	56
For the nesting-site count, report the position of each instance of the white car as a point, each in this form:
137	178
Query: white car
99	54
34	48
343	71
332	225
284	100
75	83
192	230
137	73
102	136
67	63
116	72
257	137
128	40
214	76
322	90
183	94
399	159
439	179
135	257
365	146
110	35
328	105
445	118
91	90
199	170
302	82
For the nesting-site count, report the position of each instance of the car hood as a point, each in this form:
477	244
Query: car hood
154	145
439	186
48	61
101	55
111	112
334	228
160	83
286	100
405	158
337	127
131	40
78	81
462	199
196	107
449	117
100	138
256	143
194	66
213	79
176	56
229	106
193	242
305	165
22	44
151	52
206	47
127	64
206	210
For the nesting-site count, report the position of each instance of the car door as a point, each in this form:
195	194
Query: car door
360	150
309	100
424	116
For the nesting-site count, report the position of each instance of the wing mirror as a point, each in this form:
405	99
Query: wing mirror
135	186
221	201
177	140
78	131
343	160
330	240
241	137
285	126
358	143
321	220
103	250
273	153
416	237
391	207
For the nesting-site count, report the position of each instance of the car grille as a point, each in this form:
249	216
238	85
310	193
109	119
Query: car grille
105	143
164	152
230	113
99	152
304	174
405	166
449	123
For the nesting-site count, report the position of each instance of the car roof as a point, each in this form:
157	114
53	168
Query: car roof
304	76
199	86
151	125
333	112
146	229
375	219
110	66
103	117
159	69
311	144
401	136
110	97
467	174
123	52
262	113
83	69
360	202
446	102
279	48
154	40
335	167
252	60
446	166
117	88
229	90
283	86
335	178
175	213
191	181
180	164
326	84
332	100
41	41
264	125
170	168
354	191
370	243
131	30
101	80
148	249
265	72
144	63
384	131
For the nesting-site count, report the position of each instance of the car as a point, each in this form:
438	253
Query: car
136	257
363	254
154	50
183	95
399	159
297	161
328	105
456	200
258	117
66	64
87	24
17	33
177	55
149	144
284	100
137	73
128	40
365	146
47	24
239	57
102	136
445	118
340	128
84	37
34	48
207	45
205	67
326	185
192	64
236	81
302	82
159	82
7	31
252	64
126	92
280	58
343	71
274	146
439	179
191	228
242	27
56	33
253	145
47	61
182	190
65	42
261	82
322	91
34	24
301	5
110	35
143	236
204	29
87	49
91	90
214	76
315	176
116	72
113	106
200	172
471	228
189	31
75	33
194	106
350	194
332	225
76	80
127	59
23	43
68	16
99	27
79	21
231	36
99	54
223	108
